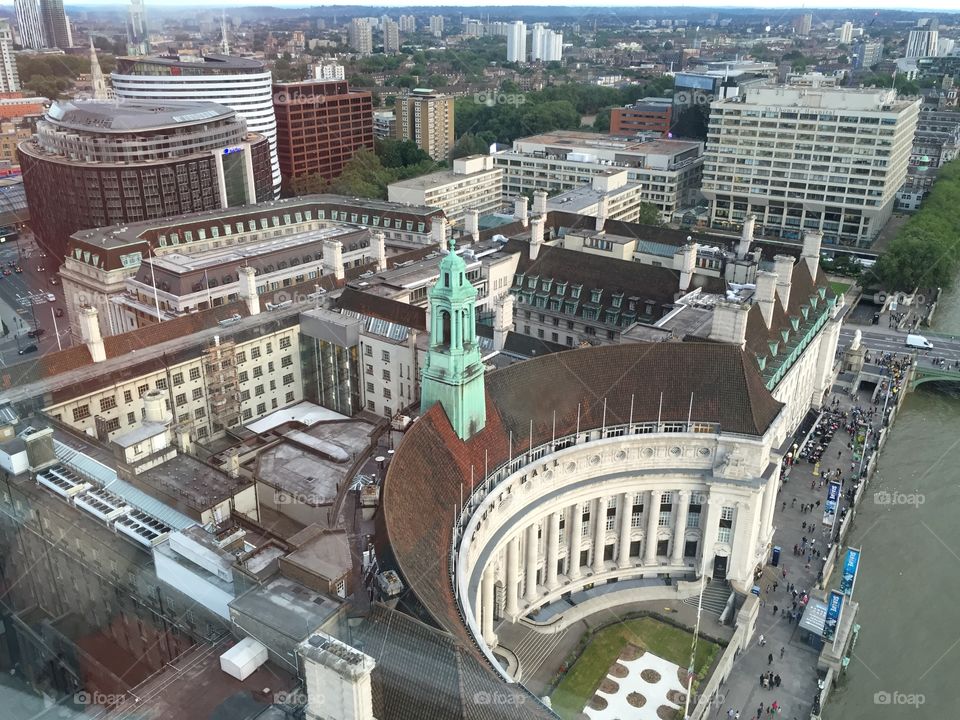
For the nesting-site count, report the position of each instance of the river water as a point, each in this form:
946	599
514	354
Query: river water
906	660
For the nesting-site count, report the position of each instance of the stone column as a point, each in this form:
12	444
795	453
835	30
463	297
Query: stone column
553	550
769	504
680	526
530	567
599	534
574	524
710	529
486	606
623	549
513	576
653	522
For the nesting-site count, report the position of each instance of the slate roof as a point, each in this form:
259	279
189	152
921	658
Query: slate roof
423	674
383	308
424	480
646	286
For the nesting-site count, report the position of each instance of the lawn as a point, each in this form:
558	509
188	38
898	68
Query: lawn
838	287
662	639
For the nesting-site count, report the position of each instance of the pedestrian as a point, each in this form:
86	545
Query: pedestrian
770	659
776	680
793	504
730	714
762	640
775	611
782	651
784	506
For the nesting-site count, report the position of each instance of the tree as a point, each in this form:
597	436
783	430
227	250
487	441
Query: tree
649	214
312	184
602	121
469	144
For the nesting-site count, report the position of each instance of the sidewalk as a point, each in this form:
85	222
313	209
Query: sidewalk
798	665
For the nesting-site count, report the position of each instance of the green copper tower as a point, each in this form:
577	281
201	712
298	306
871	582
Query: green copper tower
453	373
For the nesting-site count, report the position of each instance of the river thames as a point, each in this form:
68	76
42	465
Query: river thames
905	662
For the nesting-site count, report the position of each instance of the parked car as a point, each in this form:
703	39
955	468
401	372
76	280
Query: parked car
36	333
18	269
58	312
51	297
40	268
54	281
28	349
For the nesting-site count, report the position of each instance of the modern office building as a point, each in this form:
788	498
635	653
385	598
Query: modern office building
517	42
320	126
30	24
436	25
360	36
93	164
426	117
668	170
473	184
649	115
923	41
9	77
391	37
545	45
243	84
138	37
827	159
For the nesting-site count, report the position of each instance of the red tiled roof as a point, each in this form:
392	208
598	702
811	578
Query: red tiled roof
433	469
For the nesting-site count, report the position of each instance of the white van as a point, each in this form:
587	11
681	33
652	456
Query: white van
919	341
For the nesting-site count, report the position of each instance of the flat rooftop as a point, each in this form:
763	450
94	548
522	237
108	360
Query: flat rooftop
182	263
310	465
132	116
186	479
588	140
193	686
286	606
442	177
580	198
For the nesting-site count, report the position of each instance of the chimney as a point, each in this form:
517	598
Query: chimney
536	235
90	333
601	213
337	679
730	323
471	223
438	232
502	320
333	258
520	210
766	294
746	236
248	289
154	408
540	202
783	267
379	243
184	443
688	264
232	465
811	250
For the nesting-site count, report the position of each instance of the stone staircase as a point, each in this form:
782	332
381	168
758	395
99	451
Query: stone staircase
534	649
715	596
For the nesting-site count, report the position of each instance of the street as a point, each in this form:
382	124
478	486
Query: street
24	304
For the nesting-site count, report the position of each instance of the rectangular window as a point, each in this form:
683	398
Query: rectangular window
195	373
386	375
79	413
243	377
142	390
131	418
258	371
284	343
289	397
181	399
200	412
726	525
385	355
162	384
178	378
288	380
108	403
242	356
261	408
255	353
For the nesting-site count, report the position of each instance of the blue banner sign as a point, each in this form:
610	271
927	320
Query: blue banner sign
834	608
849	576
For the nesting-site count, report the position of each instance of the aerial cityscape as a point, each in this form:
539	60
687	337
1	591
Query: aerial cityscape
463	362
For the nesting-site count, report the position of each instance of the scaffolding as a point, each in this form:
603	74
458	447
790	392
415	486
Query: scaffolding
223	387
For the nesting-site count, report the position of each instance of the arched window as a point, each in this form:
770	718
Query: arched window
444	327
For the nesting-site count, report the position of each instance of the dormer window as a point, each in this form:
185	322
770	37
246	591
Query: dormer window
575	291
617	300
595	294
561	288
532	283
